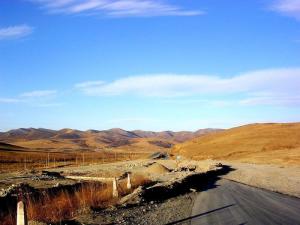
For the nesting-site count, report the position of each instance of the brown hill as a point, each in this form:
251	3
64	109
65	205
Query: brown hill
9	147
94	139
180	136
263	143
27	134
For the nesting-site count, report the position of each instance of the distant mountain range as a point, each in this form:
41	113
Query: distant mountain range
95	139
254	143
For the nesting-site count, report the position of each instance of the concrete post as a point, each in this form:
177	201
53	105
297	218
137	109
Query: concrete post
128	181
115	188
21	215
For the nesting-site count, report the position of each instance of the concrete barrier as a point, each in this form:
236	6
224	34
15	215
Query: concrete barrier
128	181
115	188
21	214
103	179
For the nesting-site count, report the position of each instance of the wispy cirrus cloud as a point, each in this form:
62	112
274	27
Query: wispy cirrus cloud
41	98
14	32
88	84
287	7
117	8
276	86
39	93
9	100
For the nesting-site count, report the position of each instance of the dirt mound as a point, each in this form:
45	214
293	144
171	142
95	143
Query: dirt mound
156	168
159	155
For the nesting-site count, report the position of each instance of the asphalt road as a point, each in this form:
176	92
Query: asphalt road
236	204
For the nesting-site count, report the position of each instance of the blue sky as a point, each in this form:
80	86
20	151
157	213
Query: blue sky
148	64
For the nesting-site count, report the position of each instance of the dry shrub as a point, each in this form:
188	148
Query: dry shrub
48	208
139	180
8	219
136	181
95	196
65	205
8	210
58	204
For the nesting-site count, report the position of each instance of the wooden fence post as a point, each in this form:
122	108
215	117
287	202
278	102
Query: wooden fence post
128	181
21	214
115	188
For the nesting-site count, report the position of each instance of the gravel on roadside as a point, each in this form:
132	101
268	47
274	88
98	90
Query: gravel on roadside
156	213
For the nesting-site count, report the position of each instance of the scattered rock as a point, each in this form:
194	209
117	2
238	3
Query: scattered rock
6	191
193	190
51	174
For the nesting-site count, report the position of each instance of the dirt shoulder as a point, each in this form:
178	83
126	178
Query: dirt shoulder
165	193
171	210
283	179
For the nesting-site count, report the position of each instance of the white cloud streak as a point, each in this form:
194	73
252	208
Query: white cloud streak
116	8
38	98
89	84
272	85
287	7
14	32
271	99
9	100
39	93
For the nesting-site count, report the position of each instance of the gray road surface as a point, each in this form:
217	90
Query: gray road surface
236	204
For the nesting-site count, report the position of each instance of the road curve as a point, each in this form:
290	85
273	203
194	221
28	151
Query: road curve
236	204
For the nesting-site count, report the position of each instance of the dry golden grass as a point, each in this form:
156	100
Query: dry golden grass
57	205
261	143
134	144
47	144
144	145
64	205
9	219
20	160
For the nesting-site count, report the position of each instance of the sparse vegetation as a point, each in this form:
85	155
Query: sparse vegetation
58	204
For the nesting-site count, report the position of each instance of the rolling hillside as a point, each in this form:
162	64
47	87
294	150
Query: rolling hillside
261	143
96	140
8	147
